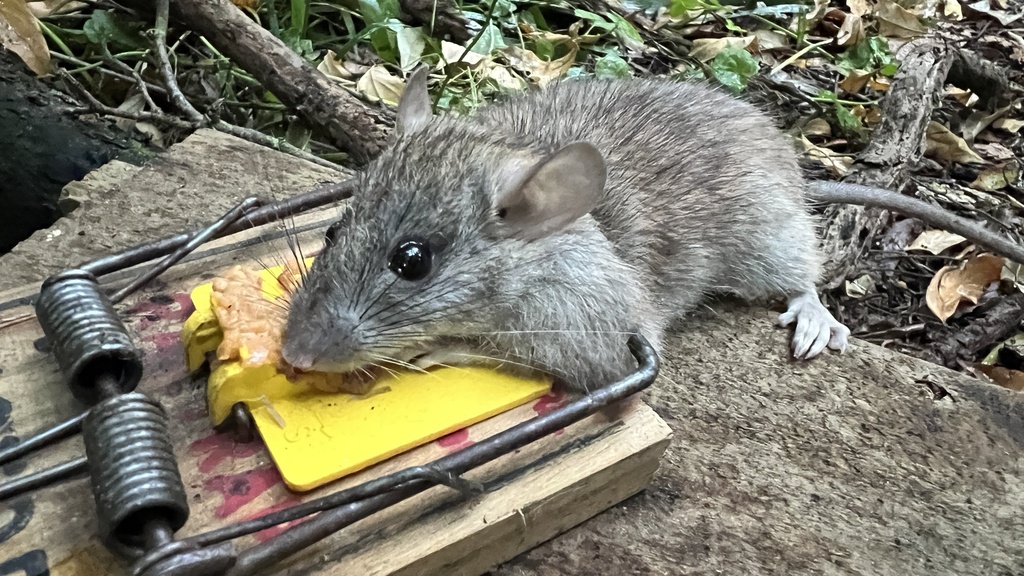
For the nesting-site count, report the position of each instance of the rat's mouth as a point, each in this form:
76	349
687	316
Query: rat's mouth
361	371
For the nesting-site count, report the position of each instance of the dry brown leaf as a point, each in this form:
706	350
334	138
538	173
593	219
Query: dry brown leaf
962	96
817	127
44	8
770	40
379	84
851	32
540	71
870	115
20	34
954	284
979	121
936	241
821	7
943	145
995	152
855	82
894	21
838	164
705	49
859	7
951	9
879	82
331	67
997	178
1005	377
500	75
1011	125
860	287
1004	18
452	53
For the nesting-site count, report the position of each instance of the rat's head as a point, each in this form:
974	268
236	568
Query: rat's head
447	230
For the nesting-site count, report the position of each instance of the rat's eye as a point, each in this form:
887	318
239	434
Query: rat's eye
411	259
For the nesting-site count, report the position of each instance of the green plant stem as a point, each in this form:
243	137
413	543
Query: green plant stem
817	47
49	33
487	22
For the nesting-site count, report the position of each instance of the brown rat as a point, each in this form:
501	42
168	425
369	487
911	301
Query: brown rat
538	233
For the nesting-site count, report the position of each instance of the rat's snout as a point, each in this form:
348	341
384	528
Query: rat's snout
303	360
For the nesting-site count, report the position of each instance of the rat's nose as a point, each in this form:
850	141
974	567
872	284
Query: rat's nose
299	360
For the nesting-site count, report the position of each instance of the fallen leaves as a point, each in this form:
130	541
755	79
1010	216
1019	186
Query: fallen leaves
936	241
953	285
838	164
1005	377
379	84
943	145
997	177
894	21
1003	17
543	72
706	49
20	34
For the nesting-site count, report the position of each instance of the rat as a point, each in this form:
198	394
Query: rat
538	233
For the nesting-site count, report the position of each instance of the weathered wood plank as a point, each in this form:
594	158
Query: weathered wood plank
543	489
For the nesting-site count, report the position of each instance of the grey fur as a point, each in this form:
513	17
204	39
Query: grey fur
703	195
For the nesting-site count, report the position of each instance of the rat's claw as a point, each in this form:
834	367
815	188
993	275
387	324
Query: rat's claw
816	328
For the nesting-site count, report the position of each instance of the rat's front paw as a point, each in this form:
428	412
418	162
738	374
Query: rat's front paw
816	328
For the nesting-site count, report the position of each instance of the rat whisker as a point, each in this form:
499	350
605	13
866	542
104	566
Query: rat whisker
377	299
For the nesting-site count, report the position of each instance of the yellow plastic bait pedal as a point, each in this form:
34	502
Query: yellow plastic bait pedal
316	437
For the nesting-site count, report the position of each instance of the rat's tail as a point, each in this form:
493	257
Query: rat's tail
844	193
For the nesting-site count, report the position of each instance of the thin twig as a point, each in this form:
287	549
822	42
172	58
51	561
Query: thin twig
99	68
126	69
159	34
101	108
164	64
276	143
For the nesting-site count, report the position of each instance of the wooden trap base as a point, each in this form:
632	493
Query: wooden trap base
535	493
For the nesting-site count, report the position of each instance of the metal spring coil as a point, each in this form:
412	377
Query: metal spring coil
86	335
135	477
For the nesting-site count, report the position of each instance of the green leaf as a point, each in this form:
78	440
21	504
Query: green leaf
544	49
411	43
489	41
626	33
680	7
301	46
299	9
595	20
503	9
611	65
872	53
575	72
535	18
378	11
106	27
847	121
827	95
733	67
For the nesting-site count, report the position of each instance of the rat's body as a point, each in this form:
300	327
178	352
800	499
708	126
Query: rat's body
561	221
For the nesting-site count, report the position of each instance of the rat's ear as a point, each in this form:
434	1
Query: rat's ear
554	192
414	111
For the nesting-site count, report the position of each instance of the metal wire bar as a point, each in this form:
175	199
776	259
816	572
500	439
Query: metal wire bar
59	432
348	506
175	248
195	242
320	196
47	477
